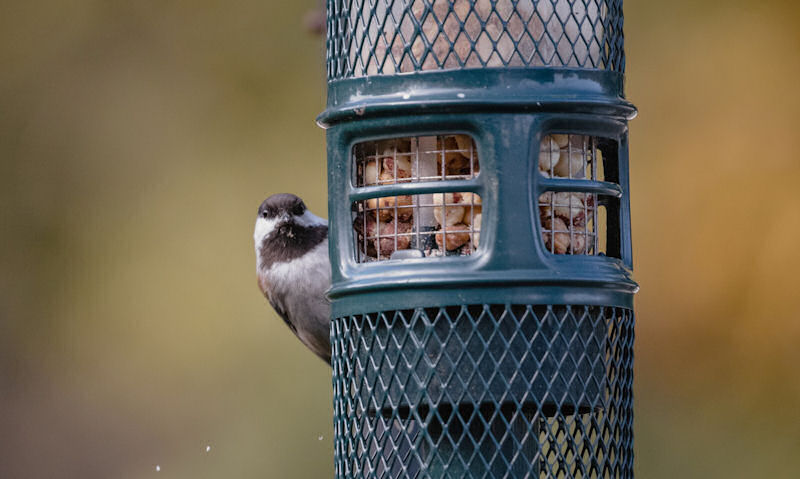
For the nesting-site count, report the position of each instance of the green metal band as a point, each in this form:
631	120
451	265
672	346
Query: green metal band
489	90
389	296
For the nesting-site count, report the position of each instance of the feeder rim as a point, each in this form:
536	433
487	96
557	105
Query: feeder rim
570	90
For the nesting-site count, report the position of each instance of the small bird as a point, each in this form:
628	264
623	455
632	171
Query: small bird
293	268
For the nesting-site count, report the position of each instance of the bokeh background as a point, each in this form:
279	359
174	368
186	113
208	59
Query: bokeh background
138	138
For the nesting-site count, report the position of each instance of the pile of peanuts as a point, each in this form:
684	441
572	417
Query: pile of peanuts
564	215
459	154
458	216
385	225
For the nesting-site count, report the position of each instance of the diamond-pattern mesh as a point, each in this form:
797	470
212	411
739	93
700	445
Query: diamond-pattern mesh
384	37
484	391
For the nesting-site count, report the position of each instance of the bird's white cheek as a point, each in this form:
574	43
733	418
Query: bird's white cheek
263	228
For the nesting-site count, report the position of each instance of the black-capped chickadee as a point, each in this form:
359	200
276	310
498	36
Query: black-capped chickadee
293	268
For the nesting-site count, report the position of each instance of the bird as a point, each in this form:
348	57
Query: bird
293	268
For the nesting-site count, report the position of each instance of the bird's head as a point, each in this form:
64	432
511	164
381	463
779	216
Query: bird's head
285	229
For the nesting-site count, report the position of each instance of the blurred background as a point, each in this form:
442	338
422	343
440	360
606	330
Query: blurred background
138	138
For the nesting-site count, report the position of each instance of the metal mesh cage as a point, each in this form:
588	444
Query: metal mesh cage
382	37
489	391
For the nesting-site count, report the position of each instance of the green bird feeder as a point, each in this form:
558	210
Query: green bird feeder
482	296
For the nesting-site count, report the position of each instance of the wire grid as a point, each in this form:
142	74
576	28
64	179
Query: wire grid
416	226
488	391
384	37
570	221
411	160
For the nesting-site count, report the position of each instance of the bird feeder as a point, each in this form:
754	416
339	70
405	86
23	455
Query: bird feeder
482	294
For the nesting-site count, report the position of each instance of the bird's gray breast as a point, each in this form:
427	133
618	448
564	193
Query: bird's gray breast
298	288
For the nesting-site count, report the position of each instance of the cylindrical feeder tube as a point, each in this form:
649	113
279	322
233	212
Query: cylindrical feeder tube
482	293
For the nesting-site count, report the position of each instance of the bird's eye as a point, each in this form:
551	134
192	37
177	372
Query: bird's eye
298	209
264	214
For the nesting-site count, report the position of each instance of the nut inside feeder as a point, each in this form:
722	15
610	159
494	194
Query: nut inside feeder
419	225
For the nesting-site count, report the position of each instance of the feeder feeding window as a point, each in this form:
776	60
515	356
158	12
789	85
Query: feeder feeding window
574	222
410	226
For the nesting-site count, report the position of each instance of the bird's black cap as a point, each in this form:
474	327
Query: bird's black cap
280	203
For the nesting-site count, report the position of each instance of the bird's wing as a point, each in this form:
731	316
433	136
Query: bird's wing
321	351
282	313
